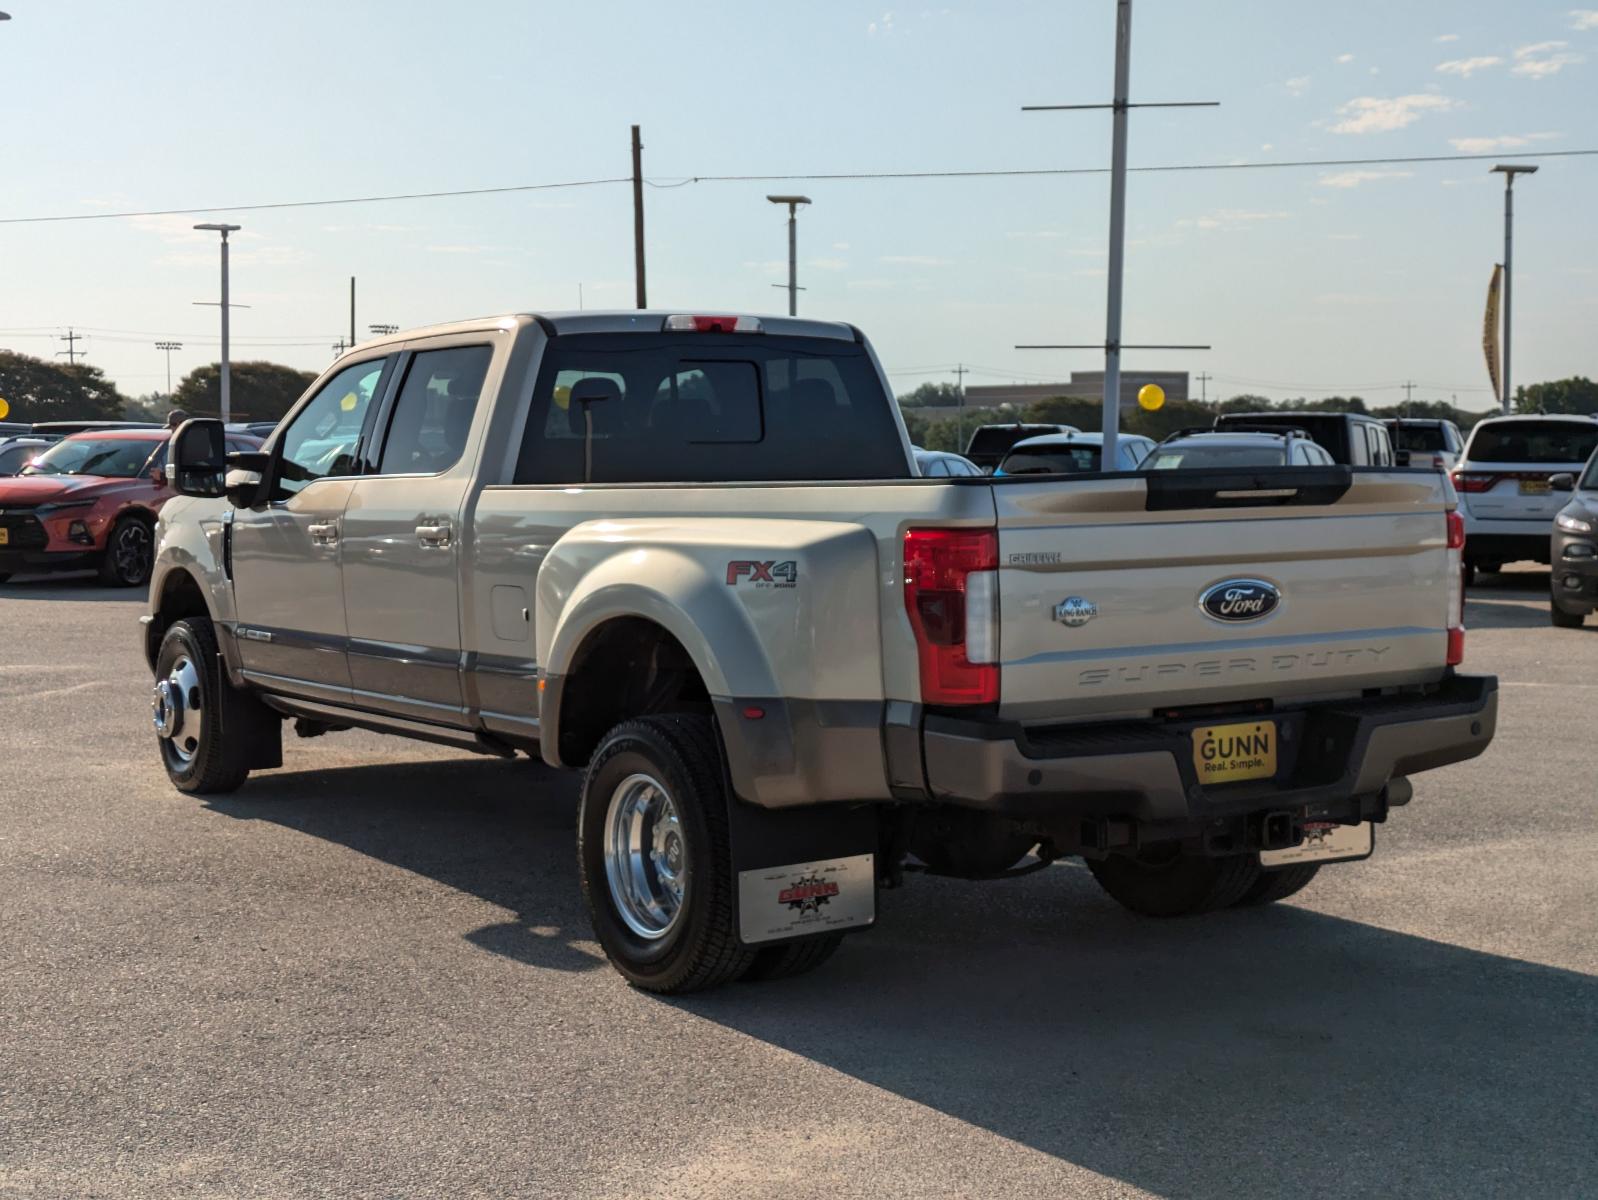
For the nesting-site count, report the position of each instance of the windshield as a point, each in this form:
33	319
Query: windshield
111	458
1429	439
1216	456
1534	442
1052	460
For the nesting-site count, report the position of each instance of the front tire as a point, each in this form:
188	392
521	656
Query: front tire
1562	619
1161	881
654	857
129	553
204	725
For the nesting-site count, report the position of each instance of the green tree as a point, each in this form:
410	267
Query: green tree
39	390
931	395
261	391
1245	403
1578	394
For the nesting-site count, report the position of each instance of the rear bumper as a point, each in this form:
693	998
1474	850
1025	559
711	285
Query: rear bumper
1143	771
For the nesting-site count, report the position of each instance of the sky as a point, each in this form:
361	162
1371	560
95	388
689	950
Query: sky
1305	281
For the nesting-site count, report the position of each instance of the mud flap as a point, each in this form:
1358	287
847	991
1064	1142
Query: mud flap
803	871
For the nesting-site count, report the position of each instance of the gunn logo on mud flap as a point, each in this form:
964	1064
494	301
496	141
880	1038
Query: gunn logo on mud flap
808	894
763	574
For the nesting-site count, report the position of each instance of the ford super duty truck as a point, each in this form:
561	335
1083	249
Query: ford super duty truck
689	556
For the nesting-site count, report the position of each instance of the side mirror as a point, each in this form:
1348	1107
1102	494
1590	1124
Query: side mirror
1562	482
585	394
197	458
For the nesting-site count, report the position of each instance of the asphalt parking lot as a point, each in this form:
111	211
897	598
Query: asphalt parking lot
368	974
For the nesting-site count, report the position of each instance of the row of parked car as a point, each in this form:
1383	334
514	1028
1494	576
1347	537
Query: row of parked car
78	495
1527	485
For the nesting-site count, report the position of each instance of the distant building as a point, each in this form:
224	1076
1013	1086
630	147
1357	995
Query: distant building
1086	384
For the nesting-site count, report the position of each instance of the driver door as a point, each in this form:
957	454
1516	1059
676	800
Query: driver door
286	553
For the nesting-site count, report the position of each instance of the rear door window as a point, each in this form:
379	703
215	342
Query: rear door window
1560	442
709	408
433	413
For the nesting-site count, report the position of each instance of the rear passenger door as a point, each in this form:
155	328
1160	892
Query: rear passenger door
402	535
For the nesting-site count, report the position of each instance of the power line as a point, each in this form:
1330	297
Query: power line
71	338
679	181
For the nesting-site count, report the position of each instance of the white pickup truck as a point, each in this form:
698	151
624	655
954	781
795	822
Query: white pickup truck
689	555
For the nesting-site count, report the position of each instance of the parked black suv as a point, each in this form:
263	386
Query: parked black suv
1353	439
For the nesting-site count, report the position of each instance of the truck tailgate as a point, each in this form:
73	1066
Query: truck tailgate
1101	581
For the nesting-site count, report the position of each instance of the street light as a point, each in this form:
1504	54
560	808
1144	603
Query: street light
793	203
1508	171
227	379
169	347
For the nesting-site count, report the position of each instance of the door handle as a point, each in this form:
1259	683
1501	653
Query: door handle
433	535
324	534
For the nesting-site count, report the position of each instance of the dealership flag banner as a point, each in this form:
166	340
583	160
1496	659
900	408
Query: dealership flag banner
1489	330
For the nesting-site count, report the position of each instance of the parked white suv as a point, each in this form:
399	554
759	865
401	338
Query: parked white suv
1502	481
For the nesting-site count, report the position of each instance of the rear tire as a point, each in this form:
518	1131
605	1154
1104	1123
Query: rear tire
1161	881
215	728
1278	884
1561	619
654	857
795	958
129	553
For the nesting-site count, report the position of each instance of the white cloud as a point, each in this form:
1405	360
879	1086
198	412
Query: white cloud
1584	19
869	285
914	260
828	264
1266	148
840	245
1352	179
885	25
1542	59
1466	67
1229	218
1297	84
770	264
1345	58
1508	141
1446	37
1375	114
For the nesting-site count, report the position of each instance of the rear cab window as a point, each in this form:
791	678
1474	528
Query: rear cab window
1052	460
699	408
1561	442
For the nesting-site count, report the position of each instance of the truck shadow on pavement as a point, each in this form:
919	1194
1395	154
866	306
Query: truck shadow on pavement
1274	1051
497	830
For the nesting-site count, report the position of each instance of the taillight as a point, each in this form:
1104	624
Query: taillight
1456	589
685	323
951	594
1474	481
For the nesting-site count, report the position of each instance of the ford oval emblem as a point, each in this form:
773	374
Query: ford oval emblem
1240	599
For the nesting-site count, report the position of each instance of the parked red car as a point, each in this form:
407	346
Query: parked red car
90	500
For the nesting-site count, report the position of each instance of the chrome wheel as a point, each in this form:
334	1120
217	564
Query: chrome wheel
177	711
646	856
130	552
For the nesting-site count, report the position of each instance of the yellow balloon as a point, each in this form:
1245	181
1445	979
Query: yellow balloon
349	402
1151	396
563	397
4	410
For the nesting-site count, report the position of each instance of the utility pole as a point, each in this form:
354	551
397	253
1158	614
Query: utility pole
1409	390
638	217
71	352
226	370
1204	391
1113	346
352	310
384	330
959	374
169	347
339	347
1509	173
793	203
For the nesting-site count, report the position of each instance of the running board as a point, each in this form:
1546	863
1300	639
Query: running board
443	735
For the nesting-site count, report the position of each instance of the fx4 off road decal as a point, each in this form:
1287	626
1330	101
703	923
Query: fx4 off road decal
763	574
803	898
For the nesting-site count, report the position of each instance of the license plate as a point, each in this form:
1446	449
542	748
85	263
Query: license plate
1229	753
1325	841
1534	487
5	537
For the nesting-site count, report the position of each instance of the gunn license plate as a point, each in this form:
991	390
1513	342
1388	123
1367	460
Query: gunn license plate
1325	841
1533	487
1229	753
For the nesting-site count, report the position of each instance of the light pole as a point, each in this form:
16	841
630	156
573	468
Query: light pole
169	347
227	379
1509	172
793	203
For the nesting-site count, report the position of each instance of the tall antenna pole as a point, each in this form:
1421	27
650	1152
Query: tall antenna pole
1112	317
72	352
638	217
